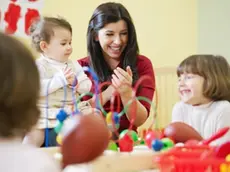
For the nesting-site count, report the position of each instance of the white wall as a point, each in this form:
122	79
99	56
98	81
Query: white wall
214	27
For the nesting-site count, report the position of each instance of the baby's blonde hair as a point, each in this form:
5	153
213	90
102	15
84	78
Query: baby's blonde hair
42	29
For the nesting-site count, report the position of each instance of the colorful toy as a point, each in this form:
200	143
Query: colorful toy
84	138
150	136
131	133
112	146
157	145
196	157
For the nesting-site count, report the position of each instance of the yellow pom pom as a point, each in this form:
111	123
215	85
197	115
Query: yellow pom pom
224	167
59	139
109	118
227	158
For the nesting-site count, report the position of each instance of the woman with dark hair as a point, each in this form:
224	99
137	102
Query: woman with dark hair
113	54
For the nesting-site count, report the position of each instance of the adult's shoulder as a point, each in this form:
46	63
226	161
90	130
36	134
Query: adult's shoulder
144	65
84	61
143	59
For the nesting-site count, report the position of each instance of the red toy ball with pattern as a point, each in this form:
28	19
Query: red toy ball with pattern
181	132
85	137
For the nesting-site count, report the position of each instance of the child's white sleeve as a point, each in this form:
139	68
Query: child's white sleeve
52	84
177	113
84	83
223	121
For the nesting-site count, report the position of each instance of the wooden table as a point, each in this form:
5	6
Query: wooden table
141	159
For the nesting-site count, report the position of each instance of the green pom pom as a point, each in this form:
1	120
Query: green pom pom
167	143
142	142
58	128
131	133
112	146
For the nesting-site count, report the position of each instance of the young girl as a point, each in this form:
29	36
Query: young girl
18	109
204	89
52	38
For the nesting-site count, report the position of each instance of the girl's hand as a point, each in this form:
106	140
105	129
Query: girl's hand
122	80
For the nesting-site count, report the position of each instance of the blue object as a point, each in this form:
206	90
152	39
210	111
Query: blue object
62	115
116	118
157	144
51	140
96	83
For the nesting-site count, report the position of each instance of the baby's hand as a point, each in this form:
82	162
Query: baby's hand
70	77
86	109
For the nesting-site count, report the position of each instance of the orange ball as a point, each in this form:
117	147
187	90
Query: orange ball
86	137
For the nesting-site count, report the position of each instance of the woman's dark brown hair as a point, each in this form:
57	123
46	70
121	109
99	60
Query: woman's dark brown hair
216	72
19	88
106	13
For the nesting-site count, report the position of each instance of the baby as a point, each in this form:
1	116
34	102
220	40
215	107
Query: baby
52	38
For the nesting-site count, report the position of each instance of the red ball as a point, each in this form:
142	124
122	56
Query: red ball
86	137
150	136
181	132
191	142
222	150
